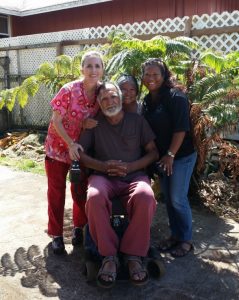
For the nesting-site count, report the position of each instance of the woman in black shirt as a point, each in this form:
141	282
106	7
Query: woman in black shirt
166	108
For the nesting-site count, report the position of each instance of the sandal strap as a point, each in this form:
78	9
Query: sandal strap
139	261
106	259
133	258
113	258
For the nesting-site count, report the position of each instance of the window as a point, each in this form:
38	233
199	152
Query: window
4	26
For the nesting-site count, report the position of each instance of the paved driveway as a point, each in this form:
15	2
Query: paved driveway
29	270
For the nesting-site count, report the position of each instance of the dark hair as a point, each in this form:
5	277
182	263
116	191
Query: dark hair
169	79
125	78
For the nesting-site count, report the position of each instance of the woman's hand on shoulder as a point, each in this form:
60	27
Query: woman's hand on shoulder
89	123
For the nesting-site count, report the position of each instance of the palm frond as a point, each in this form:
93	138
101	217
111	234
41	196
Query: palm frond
213	60
187	41
214	95
127	61
232	60
177	47
116	61
223	115
207	85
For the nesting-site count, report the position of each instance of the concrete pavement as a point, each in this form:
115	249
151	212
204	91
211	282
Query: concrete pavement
29	270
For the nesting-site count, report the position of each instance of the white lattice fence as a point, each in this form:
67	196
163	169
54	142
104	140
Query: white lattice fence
223	42
216	20
26	61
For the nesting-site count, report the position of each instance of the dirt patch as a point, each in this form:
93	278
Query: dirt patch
19	145
221	196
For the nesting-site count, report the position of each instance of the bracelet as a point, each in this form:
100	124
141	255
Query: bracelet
170	154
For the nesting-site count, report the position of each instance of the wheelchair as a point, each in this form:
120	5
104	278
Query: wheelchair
92	259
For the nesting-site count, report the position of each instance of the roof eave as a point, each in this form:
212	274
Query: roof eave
52	8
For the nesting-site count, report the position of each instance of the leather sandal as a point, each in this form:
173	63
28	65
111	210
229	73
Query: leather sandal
112	275
182	249
137	270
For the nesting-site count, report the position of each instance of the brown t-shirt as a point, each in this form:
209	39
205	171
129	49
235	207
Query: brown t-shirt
124	141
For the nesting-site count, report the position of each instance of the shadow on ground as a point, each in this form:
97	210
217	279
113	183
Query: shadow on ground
210	273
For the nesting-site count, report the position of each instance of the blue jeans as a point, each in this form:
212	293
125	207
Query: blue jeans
175	190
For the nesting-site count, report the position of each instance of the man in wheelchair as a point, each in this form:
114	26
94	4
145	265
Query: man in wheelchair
118	171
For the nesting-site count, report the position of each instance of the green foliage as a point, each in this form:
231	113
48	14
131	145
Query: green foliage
8	98
214	95
22	97
191	43
210	78
31	85
22	164
210	87
62	65
126	61
177	48
76	66
223	115
46	70
214	61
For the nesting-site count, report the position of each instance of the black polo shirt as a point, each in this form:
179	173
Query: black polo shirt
167	115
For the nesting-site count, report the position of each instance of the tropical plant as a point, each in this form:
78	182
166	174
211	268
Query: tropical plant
51	75
211	80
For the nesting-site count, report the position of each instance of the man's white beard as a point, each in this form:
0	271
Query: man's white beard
113	111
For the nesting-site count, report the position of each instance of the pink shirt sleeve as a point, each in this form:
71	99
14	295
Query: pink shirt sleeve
61	101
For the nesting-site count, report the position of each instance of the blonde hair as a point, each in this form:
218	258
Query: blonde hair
92	53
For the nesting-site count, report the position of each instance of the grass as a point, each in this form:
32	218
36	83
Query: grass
26	165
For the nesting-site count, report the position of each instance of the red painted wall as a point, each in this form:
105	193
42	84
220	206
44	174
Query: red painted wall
117	12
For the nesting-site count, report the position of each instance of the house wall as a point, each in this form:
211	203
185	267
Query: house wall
117	12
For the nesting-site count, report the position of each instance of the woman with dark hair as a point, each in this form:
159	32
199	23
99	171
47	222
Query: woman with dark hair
166	108
130	91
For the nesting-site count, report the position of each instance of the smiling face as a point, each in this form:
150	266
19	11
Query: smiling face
109	100
92	69
152	77
129	92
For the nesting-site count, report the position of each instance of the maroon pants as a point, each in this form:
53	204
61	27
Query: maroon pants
140	204
56	174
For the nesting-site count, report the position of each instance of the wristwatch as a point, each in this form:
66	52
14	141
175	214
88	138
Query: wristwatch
170	154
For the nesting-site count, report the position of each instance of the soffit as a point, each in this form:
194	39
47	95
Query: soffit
31	7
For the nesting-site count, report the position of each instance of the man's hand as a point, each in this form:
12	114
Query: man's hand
116	168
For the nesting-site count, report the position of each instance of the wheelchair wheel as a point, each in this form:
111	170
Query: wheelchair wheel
91	270
155	268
